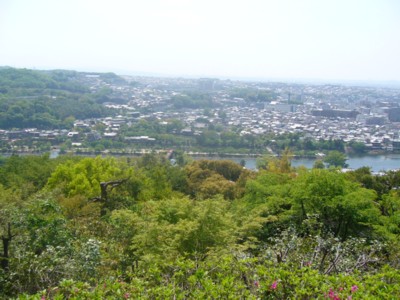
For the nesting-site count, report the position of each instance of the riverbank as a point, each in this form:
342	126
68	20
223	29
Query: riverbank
54	152
377	162
139	152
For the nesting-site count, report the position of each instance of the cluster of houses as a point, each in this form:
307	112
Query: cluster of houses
364	114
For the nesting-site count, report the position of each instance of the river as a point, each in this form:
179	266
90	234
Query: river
375	162
382	162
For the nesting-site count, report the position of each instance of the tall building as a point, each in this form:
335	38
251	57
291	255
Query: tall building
335	113
207	84
394	114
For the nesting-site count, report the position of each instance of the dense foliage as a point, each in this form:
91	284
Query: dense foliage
192	99
45	100
254	95
96	228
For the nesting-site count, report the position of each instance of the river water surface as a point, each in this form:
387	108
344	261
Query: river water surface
375	162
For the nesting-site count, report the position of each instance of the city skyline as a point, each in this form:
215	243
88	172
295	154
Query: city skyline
292	40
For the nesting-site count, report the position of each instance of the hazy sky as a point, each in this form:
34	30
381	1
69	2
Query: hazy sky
286	39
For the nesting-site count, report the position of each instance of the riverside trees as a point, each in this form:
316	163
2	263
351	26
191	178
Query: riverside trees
208	229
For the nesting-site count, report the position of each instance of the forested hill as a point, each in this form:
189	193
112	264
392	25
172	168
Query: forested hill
47	99
17	81
142	228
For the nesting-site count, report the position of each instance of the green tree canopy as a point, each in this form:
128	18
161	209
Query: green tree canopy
335	159
343	207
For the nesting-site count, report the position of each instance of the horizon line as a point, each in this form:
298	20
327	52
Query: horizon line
305	80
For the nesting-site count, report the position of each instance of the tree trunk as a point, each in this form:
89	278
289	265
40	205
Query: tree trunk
106	187
6	244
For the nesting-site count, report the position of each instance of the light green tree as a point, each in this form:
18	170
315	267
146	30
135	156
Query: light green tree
335	159
342	206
